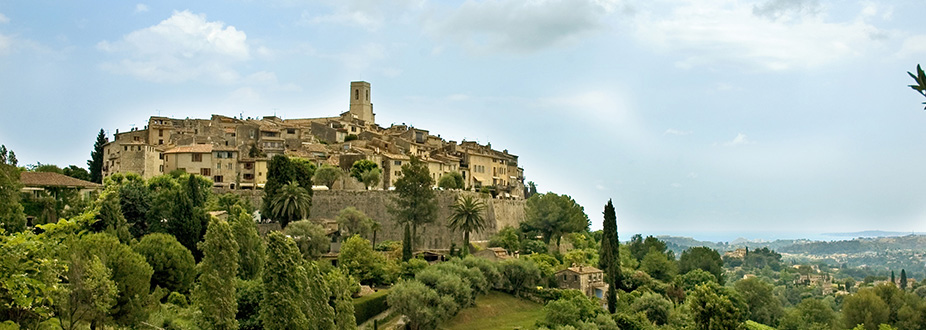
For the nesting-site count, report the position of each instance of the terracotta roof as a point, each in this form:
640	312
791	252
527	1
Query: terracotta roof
50	179
582	270
196	148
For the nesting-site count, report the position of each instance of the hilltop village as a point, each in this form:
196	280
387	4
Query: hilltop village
235	152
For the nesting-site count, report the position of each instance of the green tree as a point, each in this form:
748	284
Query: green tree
88	294
716	308
506	238
519	274
352	221
423	306
327	175
466	216
291	203
215	296
130	272
283	305
359	167
341	287
12	217
186	222
451	180
29	277
609	257
283	170
251	250
659	266
703	258
764	307
865	308
903	279
811	313
692	279
553	216
76	172
359	261
656	307
415	203
173	265
95	164
371	177
407	244
309	237
135	201
249	294
920	79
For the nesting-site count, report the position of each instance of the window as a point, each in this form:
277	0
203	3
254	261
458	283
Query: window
290	131
198	158
125	148
137	138
249	166
398	162
160	132
368	95
218	166
205	172
160	156
160	141
161	168
248	176
229	166
356	94
217	179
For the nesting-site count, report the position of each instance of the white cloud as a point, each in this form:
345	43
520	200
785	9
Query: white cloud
458	97
141	8
180	48
4	19
913	46
519	26
368	21
786	9
739	140
5	44
724	31
673	131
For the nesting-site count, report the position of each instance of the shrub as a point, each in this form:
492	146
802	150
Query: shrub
177	298
369	306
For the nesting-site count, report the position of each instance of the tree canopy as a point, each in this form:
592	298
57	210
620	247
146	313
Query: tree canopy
554	215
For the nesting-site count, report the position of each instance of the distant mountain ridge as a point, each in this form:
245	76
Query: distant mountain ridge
888	241
871	233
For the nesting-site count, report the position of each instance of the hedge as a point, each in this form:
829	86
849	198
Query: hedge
369	306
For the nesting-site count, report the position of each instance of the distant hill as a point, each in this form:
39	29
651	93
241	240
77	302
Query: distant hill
860	245
679	244
869	233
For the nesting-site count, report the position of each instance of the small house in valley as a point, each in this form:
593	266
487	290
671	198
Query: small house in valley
589	280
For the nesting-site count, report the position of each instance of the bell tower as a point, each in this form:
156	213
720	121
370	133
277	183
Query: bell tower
360	104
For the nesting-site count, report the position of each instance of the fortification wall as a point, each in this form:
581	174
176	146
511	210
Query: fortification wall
376	203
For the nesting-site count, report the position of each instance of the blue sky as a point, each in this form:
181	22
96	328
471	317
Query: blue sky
694	116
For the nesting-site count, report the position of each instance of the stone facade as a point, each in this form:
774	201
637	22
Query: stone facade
589	280
239	149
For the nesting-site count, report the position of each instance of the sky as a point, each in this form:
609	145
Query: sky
695	117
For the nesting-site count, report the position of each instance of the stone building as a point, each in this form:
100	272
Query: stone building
589	280
234	152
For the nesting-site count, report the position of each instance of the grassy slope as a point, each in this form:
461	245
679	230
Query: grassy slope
496	310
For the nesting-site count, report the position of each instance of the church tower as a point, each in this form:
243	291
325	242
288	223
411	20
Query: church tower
360	105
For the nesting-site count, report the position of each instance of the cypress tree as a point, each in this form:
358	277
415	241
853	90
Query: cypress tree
283	305
903	279
251	248
609	256
892	278
407	244
95	164
215	295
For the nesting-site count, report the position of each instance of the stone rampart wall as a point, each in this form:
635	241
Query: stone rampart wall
376	203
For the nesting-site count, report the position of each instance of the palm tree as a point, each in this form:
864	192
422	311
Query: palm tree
466	215
292	202
375	228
